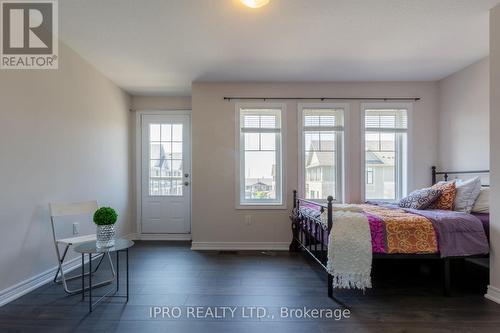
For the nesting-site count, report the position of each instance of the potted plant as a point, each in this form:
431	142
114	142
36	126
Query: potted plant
105	219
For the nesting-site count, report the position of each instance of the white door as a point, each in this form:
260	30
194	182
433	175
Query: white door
166	171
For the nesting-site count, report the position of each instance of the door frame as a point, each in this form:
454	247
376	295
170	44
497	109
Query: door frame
138	172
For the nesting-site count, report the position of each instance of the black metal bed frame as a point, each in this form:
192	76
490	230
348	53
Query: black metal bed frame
305	240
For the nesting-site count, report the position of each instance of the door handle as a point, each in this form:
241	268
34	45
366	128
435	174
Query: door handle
186	183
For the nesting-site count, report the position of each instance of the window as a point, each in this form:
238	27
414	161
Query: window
260	162
322	128
386	150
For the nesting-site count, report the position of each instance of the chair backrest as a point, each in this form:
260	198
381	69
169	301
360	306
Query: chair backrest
77	208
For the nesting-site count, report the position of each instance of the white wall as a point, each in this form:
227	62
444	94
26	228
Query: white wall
494	287
139	103
214	216
64	137
464	119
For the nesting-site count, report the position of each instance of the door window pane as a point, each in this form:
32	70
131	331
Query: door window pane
177	132
155	151
166	132
165	160
177	168
177	150
154	132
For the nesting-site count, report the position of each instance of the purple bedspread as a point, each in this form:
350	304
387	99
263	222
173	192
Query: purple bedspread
485	219
458	233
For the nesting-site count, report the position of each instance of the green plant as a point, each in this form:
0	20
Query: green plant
105	216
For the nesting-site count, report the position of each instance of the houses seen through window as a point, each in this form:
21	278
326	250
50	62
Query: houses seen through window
385	154
260	156
322	130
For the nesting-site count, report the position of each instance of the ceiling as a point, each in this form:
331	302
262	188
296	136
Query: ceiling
158	47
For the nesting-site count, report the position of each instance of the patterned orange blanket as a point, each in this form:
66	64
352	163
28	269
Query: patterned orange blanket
404	232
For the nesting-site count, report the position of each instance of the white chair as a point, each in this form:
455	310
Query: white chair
59	210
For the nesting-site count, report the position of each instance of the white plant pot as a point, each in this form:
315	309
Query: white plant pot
105	236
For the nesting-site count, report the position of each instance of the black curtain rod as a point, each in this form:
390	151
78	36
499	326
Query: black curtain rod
415	99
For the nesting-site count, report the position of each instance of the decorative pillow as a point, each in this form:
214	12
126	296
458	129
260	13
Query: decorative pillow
420	199
467	193
447	197
482	204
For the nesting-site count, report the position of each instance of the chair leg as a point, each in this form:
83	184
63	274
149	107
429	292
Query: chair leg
59	268
60	261
63	279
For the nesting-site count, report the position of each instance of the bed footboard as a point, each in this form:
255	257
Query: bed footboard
310	233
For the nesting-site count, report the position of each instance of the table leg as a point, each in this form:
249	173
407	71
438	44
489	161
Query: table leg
90	282
83	276
127	274
117	271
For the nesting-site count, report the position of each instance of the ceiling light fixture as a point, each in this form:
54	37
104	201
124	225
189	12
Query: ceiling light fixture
255	3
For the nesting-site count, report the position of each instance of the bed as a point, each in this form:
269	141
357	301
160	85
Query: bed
429	234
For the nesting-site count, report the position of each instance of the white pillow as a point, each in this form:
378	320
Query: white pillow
482	204
467	193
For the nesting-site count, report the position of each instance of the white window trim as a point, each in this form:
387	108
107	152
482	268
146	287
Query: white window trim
340	172
409	134
238	176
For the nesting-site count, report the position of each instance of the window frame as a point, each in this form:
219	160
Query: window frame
340	156
240	202
400	192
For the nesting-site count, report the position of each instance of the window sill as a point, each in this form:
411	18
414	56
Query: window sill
382	201
262	206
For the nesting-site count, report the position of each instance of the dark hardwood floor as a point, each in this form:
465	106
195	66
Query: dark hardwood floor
406	296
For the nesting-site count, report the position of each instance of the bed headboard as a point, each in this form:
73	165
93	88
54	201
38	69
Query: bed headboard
484	174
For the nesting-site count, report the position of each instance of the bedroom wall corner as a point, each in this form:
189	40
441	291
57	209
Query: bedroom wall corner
494	287
464	111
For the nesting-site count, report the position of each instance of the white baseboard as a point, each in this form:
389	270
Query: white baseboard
22	288
493	294
160	237
271	246
132	236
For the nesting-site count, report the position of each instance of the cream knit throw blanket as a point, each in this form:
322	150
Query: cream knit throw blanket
350	248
